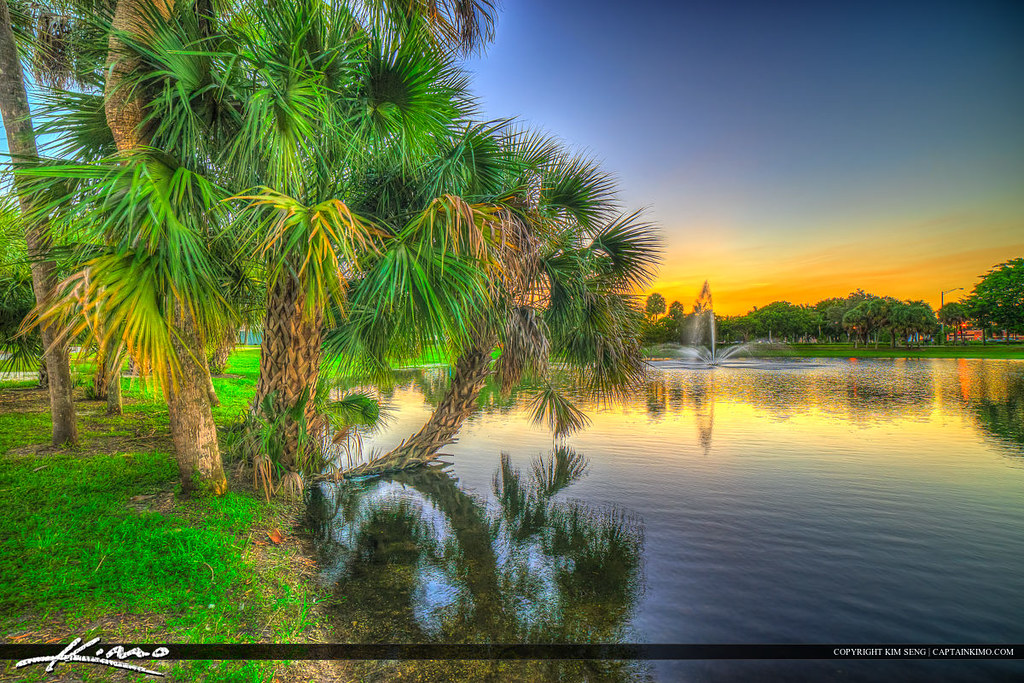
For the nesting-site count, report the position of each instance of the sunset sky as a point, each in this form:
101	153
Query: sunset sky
789	150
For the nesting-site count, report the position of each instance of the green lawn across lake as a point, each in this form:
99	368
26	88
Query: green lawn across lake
991	350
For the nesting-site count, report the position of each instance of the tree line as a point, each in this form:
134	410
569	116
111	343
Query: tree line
995	306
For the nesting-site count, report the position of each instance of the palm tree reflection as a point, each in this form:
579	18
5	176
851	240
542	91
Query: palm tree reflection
418	559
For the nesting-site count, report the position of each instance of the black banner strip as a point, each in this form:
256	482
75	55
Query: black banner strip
625	651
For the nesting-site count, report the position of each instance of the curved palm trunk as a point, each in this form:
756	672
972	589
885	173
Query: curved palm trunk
458	404
21	142
290	358
188	393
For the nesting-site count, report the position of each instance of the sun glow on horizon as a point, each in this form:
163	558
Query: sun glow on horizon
909	264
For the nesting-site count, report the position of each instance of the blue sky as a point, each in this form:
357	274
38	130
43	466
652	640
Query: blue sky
788	150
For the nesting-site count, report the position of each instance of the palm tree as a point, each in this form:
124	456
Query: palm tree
145	282
321	134
17	351
562	286
955	315
294	109
21	142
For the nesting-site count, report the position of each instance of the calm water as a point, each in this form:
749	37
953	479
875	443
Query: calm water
831	501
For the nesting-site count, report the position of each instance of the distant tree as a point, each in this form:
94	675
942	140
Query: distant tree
910	320
735	328
923	320
655	305
780	318
677	320
998	300
833	310
677	311
897	320
882	312
955	314
867	318
857	323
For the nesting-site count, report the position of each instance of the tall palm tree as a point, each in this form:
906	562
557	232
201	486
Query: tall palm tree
316	134
145	281
289	109
145	271
21	142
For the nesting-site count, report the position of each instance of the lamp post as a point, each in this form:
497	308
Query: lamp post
942	303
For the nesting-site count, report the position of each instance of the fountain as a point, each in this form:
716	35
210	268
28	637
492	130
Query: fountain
703	348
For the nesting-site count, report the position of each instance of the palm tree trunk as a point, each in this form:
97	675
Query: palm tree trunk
210	391
113	376
192	428
21	142
99	376
188	391
219	358
290	357
459	402
124	110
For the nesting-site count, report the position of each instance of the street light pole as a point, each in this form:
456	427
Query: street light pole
942	304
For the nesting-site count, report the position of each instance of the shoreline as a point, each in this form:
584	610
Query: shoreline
989	351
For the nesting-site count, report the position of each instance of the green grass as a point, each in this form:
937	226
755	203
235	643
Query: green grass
1010	351
991	350
80	556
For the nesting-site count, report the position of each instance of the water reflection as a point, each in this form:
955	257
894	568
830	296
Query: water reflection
826	501
1001	414
419	559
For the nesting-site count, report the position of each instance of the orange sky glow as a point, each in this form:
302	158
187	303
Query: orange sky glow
906	262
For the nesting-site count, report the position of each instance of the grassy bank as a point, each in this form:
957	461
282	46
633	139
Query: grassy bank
96	543
1011	351
992	350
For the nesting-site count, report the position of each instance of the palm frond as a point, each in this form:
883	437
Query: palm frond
143	221
524	347
557	413
629	250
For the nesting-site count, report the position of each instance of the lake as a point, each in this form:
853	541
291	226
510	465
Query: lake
826	501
